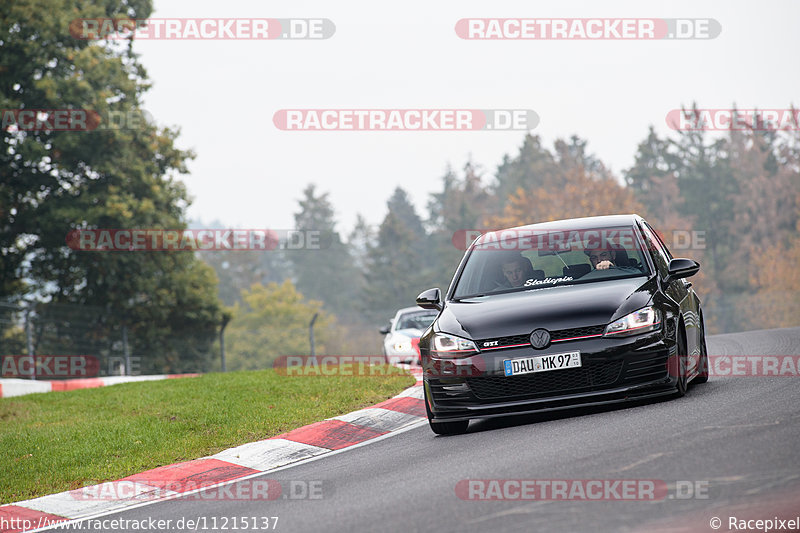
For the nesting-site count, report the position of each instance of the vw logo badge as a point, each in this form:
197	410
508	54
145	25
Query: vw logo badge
540	338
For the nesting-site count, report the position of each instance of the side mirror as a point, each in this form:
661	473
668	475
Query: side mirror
385	329
430	299
681	268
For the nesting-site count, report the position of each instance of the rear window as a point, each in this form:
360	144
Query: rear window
516	260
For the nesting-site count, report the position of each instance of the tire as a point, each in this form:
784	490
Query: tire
445	428
702	377
683	383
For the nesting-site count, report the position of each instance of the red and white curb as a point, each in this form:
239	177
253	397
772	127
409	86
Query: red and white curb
10	387
319	438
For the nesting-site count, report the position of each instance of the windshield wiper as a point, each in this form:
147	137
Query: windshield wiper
460	298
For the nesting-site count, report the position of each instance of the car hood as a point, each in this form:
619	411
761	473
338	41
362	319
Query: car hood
552	308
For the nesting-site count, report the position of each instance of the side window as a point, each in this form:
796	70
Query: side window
660	242
654	247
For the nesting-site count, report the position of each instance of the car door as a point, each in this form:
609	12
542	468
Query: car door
681	292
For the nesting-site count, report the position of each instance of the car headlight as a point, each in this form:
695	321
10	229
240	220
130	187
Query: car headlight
453	347
403	346
641	321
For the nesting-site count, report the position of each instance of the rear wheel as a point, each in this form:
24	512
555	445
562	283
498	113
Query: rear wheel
445	428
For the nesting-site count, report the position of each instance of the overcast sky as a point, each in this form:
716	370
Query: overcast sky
223	93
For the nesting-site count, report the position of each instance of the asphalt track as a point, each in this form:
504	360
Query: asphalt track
735	439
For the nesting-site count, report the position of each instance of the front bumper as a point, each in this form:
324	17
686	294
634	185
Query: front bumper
613	370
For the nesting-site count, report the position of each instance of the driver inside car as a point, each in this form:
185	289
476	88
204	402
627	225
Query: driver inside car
601	259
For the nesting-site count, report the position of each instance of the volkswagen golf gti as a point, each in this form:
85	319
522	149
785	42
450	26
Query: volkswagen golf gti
560	315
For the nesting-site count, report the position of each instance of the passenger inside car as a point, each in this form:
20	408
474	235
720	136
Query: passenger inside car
514	271
517	270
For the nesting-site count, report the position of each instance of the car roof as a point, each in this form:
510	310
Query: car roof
574	224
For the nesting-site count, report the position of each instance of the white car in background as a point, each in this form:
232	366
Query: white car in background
401	341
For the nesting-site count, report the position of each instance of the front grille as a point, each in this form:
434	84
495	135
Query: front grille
570	380
505	341
555	336
576	332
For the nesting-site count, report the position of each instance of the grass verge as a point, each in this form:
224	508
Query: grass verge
59	441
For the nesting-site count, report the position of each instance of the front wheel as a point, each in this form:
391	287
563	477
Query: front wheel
702	375
680	365
445	428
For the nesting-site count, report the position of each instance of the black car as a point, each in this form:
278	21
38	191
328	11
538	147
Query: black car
561	314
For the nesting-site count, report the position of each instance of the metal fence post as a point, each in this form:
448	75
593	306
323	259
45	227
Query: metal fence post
126	351
29	337
225	321
311	333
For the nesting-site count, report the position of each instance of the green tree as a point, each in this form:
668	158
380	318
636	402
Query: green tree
326	272
462	205
742	191
272	321
572	156
111	177
361	238
396	266
653	159
532	167
239	270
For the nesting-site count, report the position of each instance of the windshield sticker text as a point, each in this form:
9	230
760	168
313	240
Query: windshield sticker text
546	281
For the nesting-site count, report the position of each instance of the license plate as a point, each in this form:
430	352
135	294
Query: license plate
541	363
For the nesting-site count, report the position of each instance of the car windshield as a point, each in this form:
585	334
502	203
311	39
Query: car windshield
415	320
520	259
